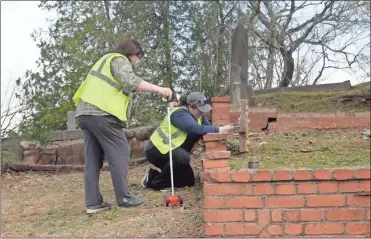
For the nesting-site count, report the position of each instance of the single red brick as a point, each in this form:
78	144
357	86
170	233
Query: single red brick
263	189
212	144
358	201
222	189
220	121
293	229
282	175
213	202
322	174
263	217
215	176
247	189
324	229
214	137
325	201
252	229
360	228
276	216
285	189
364	186
223	216
215	146
214	155
214	229
302	175
285	202
261	176
241	176
221	110
307	188
327	187
275	230
220	105
243	202
221	116
292	216
342	174
362	173
220	99
346	214
215	163
310	215
265	234
348	187
250	215
368	214
233	229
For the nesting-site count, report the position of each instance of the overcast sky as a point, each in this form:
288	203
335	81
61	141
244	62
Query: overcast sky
19	52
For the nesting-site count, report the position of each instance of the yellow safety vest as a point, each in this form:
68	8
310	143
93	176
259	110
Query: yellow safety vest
102	90
160	138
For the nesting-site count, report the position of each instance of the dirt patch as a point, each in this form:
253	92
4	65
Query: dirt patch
52	205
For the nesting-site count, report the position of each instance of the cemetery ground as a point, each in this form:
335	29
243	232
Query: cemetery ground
52	204
336	148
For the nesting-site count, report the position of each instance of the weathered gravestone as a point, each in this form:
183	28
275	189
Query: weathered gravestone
239	87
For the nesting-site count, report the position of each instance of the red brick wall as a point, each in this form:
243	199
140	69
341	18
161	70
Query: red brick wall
282	203
287	122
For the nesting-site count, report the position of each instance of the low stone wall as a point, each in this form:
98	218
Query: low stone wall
282	203
70	152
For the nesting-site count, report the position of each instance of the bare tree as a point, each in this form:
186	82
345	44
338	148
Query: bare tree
10	109
282	28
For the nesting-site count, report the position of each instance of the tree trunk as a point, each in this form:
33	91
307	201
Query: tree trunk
167	36
270	64
288	67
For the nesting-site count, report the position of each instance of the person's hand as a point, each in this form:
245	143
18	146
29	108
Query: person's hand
225	129
166	93
173	104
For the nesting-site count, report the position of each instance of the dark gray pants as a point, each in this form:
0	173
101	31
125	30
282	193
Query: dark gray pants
104	138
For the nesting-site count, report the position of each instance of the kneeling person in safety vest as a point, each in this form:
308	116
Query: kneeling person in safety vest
188	125
103	101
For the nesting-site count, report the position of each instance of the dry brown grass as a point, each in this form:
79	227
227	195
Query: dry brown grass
52	205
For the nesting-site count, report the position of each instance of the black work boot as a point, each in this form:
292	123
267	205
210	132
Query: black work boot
132	201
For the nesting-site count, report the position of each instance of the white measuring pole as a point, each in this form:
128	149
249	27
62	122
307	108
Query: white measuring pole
170	152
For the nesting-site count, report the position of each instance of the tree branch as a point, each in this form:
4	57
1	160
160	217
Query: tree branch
316	18
292	10
323	65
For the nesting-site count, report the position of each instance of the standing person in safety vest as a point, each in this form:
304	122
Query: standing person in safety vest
102	103
188	125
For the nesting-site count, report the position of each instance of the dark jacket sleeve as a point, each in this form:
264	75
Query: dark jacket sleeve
183	120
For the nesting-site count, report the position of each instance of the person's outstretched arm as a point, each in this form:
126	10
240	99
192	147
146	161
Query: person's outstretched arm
122	71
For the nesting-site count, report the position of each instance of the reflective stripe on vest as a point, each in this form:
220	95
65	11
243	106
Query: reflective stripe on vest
165	138
99	75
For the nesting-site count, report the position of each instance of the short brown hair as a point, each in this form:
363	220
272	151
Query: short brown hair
129	48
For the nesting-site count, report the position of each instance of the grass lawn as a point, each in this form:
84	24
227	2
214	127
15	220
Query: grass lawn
52	205
324	102
313	149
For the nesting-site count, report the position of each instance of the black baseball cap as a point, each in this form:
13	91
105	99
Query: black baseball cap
200	101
